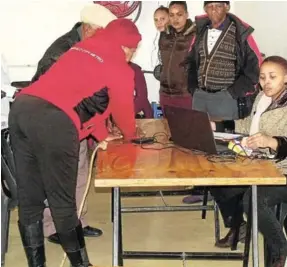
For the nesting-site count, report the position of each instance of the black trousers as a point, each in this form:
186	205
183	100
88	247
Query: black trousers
231	200
269	226
46	149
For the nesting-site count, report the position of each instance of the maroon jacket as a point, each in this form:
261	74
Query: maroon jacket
141	96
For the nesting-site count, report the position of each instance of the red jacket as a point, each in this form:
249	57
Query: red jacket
86	68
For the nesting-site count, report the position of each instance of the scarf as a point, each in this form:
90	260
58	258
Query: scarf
265	104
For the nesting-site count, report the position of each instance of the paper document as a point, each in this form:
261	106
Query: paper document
225	136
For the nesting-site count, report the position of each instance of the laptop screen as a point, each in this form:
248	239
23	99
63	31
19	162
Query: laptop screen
190	129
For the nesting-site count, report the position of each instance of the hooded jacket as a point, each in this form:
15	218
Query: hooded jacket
174	48
91	65
98	102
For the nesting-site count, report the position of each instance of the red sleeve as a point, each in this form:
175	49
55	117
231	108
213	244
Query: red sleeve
96	126
101	131
121	94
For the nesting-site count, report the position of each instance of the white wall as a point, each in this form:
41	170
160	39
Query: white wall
269	19
29	27
34	25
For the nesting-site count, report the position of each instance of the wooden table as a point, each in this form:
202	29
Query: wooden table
128	165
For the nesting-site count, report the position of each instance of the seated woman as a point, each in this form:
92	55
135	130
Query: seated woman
267	127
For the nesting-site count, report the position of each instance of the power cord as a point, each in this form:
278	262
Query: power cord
102	145
227	156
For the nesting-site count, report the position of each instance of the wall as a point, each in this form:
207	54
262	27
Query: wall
29	27
269	19
34	25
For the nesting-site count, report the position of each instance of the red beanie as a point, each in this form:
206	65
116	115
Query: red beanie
124	32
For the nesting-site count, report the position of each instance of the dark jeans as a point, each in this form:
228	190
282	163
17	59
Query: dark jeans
269	226
230	200
46	152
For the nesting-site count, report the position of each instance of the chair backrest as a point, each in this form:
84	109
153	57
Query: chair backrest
8	181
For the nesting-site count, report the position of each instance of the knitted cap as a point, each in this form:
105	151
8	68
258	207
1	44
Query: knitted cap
97	15
208	2
124	32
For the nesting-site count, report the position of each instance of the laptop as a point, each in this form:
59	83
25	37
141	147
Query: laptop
191	129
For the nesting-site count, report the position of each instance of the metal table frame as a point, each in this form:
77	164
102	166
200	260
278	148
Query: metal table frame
119	254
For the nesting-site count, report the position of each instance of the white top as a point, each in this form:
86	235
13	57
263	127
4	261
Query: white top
212	37
263	104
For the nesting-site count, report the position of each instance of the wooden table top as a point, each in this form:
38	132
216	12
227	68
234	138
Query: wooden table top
128	165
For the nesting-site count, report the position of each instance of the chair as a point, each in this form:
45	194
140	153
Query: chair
8	192
157	111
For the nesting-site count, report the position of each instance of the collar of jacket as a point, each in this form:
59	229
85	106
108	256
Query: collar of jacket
243	29
281	101
188	28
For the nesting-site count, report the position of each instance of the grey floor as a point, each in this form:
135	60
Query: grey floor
180	231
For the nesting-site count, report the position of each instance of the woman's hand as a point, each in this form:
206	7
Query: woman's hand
139	132
112	137
260	140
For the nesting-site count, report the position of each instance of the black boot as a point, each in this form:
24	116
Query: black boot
83	249
33	241
73	243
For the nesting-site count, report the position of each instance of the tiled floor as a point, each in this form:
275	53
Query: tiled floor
178	231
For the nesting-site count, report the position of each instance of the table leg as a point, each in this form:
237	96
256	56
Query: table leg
121	261
216	222
112	206
117	236
255	255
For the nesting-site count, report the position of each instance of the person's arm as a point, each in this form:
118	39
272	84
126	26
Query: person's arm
101	131
121	94
249	74
192	67
141	95
281	147
51	56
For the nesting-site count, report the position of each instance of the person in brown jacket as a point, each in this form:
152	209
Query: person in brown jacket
174	44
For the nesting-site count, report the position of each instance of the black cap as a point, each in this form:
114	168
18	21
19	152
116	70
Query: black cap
208	2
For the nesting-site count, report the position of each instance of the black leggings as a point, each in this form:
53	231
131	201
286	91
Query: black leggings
46	149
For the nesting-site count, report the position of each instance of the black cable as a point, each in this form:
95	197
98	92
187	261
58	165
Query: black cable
228	156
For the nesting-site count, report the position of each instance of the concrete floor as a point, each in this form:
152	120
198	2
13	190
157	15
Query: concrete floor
180	231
